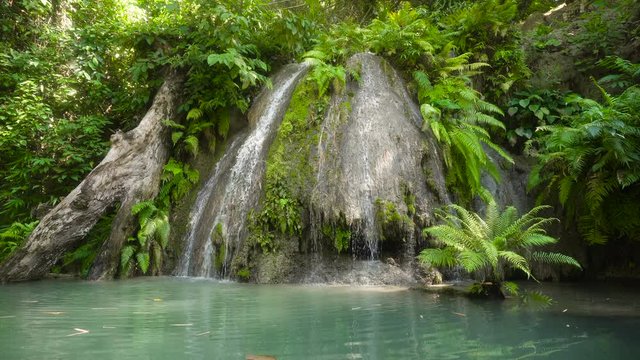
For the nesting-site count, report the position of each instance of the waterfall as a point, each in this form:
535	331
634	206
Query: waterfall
217	221
372	155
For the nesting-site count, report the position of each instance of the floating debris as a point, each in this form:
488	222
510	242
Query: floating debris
203	333
260	357
181	325
104	308
108	327
457	313
79	332
53	312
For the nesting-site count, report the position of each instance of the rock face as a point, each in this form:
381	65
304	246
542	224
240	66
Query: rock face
375	159
375	176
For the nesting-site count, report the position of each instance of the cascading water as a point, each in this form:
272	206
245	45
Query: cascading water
372	153
234	186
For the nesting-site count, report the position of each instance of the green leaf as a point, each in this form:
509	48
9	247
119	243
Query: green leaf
523	103
512	111
176	136
126	255
143	260
430	113
191	144
172	124
194	114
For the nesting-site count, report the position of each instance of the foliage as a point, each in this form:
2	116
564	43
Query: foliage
339	233
486	30
324	74
61	89
12	236
244	274
79	261
627	73
492	245
529	109
608	24
145	250
456	114
391	221
177	179
280	214
404	36
592	164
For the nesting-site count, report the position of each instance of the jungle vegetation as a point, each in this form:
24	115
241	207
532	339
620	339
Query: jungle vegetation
72	72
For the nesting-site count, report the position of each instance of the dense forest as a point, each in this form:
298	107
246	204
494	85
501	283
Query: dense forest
548	88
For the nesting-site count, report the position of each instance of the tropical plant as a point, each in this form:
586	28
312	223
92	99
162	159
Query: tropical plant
146	248
627	73
532	108
62	88
593	165
492	245
405	36
457	116
80	260
324	74
12	236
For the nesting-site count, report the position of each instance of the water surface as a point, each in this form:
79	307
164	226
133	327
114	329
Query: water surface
169	318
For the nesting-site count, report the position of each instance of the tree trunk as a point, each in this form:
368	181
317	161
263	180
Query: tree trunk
129	173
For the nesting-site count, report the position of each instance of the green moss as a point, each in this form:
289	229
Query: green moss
339	234
217	237
391	223
244	274
219	259
410	201
289	172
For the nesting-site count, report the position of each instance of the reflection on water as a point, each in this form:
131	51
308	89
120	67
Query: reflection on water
182	318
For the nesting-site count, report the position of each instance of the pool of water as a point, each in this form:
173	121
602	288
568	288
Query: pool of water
168	318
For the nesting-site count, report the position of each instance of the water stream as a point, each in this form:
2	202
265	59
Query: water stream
234	185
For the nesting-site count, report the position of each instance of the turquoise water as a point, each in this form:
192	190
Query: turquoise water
169	318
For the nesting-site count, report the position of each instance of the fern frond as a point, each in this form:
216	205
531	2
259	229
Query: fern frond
126	255
445	257
143	260
191	144
472	261
510	288
554	258
516	261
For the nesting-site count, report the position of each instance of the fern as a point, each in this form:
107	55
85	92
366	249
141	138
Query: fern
177	179
592	164
491	244
628	72
152	235
13	236
143	260
191	145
